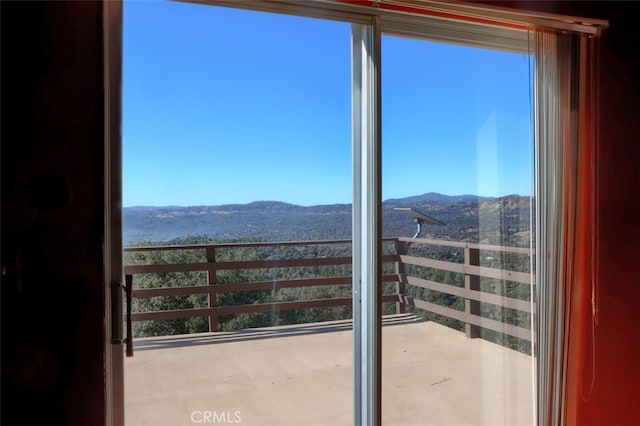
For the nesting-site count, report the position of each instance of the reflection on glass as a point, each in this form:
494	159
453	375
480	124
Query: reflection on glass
236	131
457	146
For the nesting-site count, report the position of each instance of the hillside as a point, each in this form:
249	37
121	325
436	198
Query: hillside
504	220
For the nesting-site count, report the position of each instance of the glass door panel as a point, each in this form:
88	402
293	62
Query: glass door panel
457	157
237	216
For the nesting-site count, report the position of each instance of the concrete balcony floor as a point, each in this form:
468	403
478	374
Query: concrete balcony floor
303	374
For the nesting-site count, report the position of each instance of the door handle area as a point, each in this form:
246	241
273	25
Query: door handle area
116	313
128	291
117	332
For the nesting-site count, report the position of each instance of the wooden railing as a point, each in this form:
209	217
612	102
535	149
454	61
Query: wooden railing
401	256
473	296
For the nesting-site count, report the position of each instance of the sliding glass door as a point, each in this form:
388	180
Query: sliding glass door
457	167
273	167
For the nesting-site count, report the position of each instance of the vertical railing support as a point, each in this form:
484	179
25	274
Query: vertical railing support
401	248
471	282
213	294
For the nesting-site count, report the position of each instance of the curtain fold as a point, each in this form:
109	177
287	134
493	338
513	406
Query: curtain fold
566	112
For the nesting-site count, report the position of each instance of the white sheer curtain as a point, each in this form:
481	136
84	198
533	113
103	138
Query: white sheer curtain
566	120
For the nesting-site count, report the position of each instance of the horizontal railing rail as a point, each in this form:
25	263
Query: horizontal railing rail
395	271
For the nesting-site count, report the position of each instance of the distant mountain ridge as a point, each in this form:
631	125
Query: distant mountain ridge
429	197
467	218
434	197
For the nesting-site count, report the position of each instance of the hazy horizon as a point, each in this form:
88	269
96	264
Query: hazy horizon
321	204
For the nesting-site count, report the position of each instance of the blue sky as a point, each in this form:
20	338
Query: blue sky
228	106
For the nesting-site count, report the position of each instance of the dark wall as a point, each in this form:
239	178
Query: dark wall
616	393
52	213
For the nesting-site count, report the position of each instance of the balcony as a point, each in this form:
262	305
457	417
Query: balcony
302	373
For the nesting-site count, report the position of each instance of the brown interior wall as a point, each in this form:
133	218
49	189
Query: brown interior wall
52	214
616	393
616	387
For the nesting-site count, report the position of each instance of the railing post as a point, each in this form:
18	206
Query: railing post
471	282
401	248
213	295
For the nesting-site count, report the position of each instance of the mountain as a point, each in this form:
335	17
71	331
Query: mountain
268	220
434	197
502	220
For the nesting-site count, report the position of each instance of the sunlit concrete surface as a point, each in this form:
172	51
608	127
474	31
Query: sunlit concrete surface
303	375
